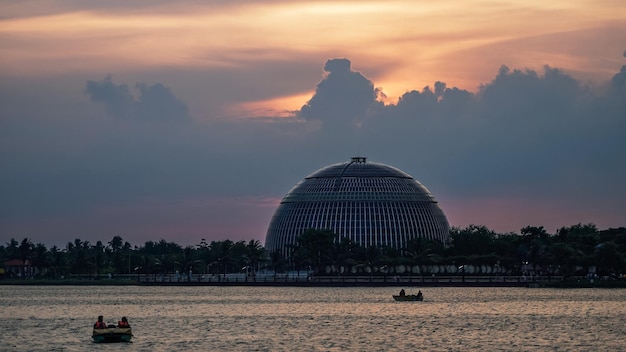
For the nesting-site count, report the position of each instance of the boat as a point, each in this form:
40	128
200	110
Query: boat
408	297
112	334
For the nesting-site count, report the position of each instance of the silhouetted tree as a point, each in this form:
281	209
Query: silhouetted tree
315	247
254	255
608	259
222	254
572	250
41	258
116	245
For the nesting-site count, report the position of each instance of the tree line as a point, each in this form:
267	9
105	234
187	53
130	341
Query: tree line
570	251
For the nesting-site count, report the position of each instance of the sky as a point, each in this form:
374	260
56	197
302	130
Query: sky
190	120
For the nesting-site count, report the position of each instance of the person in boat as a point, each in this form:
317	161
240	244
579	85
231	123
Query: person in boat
402	293
420	295
100	324
123	323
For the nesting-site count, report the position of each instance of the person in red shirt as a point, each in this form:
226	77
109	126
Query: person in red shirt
100	324
123	323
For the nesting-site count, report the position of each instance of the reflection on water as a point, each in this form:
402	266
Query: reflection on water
59	318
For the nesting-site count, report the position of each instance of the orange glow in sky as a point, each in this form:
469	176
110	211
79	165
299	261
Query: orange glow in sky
399	45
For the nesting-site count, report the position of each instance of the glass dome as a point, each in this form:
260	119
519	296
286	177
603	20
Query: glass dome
370	203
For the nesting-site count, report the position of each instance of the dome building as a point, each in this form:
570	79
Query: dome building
370	203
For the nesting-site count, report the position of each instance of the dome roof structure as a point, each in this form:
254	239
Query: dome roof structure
370	203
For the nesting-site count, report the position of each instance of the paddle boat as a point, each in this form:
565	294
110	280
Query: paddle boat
112	334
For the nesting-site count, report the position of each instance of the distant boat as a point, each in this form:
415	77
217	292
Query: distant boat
408	297
112	334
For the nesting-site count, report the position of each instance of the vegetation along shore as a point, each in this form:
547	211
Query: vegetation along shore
575	256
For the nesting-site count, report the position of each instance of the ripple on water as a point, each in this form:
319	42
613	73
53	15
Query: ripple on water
314	319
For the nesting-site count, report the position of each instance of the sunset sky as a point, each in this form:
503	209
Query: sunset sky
192	119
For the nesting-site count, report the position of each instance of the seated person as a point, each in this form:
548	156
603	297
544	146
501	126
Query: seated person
100	324
123	323
402	293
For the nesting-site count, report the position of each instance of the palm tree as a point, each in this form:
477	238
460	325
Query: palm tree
315	247
277	261
116	245
166	255
98	257
25	251
342	254
40	258
203	252
222	253
255	254
371	257
57	260
423	251
12	249
77	255
187	261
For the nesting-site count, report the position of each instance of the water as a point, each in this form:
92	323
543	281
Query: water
59	318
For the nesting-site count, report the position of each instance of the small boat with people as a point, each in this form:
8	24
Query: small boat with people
408	298
404	297
111	332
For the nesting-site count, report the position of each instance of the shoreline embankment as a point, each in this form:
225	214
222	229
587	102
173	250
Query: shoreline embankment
335	282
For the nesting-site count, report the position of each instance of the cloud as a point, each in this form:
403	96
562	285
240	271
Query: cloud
342	98
155	103
618	82
543	133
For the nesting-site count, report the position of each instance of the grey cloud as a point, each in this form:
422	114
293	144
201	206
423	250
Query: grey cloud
155	102
517	96
543	133
437	104
618	82
117	98
343	98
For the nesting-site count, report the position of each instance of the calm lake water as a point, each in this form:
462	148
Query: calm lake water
58	318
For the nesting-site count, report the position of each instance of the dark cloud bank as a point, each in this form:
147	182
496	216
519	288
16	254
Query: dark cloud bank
524	130
539	136
155	102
